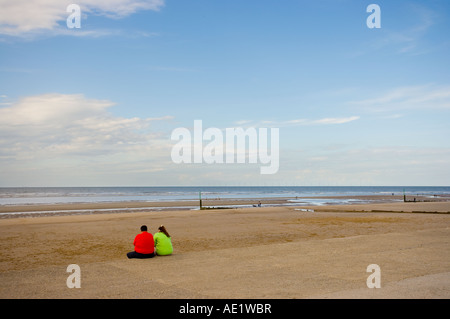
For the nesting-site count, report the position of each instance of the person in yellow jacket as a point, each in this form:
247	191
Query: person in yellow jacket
163	242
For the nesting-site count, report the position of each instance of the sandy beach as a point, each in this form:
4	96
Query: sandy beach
257	252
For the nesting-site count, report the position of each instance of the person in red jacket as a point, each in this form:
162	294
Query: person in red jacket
144	245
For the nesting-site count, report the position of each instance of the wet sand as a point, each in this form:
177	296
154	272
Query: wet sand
267	252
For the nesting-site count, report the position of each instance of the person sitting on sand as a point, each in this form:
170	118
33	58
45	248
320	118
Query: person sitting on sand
143	245
163	243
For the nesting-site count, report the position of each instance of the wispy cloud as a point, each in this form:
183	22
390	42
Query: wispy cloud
409	39
298	122
330	120
26	18
408	97
383	165
172	69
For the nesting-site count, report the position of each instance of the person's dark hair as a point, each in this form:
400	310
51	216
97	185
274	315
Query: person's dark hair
143	228
163	230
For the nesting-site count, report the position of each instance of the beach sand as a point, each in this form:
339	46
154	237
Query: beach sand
267	252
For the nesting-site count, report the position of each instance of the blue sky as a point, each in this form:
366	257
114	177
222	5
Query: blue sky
96	106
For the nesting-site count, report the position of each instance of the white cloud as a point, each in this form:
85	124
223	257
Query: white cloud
340	120
22	17
298	122
60	125
120	8
382	165
409	97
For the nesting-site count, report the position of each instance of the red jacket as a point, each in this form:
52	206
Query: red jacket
143	243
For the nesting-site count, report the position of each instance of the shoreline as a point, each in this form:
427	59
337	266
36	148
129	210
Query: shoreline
66	209
349	203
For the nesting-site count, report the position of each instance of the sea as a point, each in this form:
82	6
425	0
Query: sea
308	194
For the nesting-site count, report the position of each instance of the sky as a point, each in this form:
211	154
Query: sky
97	105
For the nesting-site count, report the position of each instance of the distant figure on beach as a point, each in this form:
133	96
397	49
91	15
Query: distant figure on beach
144	245
259	205
163	242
